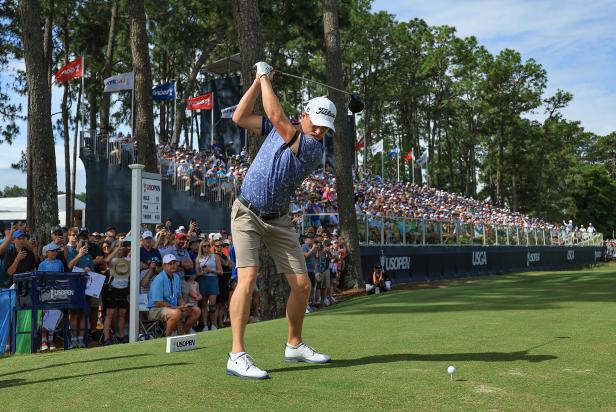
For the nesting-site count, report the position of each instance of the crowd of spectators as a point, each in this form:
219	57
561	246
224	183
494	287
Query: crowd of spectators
610	249
199	265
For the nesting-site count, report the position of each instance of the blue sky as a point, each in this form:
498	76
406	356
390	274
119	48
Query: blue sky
574	40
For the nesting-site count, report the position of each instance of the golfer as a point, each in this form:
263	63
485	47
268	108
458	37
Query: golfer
261	213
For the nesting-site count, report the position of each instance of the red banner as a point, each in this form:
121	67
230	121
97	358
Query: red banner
360	145
203	102
408	156
70	71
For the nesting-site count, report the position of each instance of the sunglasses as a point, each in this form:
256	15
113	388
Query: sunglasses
218	245
59	233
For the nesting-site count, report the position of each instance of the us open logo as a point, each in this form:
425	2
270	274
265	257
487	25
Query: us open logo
532	258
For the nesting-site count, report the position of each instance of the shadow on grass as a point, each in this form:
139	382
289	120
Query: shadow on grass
57	365
22	382
507	292
429	357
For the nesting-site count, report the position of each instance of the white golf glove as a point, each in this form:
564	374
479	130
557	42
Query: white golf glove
263	69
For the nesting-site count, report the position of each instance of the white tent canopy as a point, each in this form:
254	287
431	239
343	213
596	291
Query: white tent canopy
14	208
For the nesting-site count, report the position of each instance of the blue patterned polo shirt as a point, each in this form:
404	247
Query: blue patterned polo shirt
276	171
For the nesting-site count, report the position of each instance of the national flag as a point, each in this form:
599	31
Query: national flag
423	159
377	147
360	145
408	156
70	71
203	102
164	91
227	112
119	82
394	152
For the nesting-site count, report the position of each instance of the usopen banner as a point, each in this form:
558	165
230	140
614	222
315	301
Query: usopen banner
119	82
164	91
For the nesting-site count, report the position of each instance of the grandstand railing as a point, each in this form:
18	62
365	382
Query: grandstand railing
112	150
373	230
377	230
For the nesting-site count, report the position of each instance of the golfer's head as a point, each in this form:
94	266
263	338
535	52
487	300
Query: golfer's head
319	116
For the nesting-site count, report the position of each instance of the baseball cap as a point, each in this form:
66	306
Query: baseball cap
168	258
18	234
84	231
147	234
180	235
52	247
322	112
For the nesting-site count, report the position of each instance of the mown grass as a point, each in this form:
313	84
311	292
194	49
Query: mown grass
528	341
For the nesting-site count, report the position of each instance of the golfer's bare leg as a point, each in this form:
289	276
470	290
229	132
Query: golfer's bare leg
296	306
239	308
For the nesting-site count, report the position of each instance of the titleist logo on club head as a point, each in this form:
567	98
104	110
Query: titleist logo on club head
326	112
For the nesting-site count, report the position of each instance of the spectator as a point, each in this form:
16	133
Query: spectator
116	299
223	282
18	258
147	250
57	236
178	249
165	299
378	279
310	254
50	264
323	274
82	254
209	267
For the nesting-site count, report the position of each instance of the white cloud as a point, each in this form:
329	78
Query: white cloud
573	40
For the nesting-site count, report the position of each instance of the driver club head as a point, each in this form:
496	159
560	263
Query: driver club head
355	104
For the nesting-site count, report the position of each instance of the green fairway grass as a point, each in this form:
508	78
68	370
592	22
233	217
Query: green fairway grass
529	341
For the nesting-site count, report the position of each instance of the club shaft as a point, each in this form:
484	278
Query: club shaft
310	80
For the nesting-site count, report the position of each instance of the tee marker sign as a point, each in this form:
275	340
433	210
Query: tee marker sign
181	343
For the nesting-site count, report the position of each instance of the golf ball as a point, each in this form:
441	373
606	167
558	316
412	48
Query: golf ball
451	370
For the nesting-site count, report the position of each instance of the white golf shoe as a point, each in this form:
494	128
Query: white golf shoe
304	353
244	367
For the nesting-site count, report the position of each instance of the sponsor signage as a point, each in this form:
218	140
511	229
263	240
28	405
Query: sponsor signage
532	258
389	263
480	258
181	343
570	254
151	198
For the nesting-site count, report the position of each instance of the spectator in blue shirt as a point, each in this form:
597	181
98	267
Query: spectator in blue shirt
165	299
52	263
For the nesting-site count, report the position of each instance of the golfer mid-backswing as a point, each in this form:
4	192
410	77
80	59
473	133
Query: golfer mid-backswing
261	213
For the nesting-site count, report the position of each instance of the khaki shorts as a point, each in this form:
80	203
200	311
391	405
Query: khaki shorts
323	279
162	314
278	235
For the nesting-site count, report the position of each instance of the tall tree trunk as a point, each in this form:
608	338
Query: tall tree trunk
144	119
93	105
65	131
47	41
108	67
180	107
162	120
252	50
40	135
342	157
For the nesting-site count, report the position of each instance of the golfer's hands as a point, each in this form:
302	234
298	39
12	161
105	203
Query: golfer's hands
264	69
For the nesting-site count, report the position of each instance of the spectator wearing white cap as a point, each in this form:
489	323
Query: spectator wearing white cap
165	299
147	250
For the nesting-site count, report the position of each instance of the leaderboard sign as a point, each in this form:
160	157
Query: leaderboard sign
151	198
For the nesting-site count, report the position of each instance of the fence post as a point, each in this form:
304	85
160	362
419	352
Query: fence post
423	231
382	230
404	231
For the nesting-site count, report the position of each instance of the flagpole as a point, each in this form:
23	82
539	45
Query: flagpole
382	164
132	108
413	166
398	158
212	137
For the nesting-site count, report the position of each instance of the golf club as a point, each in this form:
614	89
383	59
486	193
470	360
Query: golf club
356	105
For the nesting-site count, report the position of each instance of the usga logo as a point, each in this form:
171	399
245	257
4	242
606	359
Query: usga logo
480	258
532	257
571	254
598	254
396	263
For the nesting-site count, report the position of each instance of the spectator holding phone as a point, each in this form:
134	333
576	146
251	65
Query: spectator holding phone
116	298
18	258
